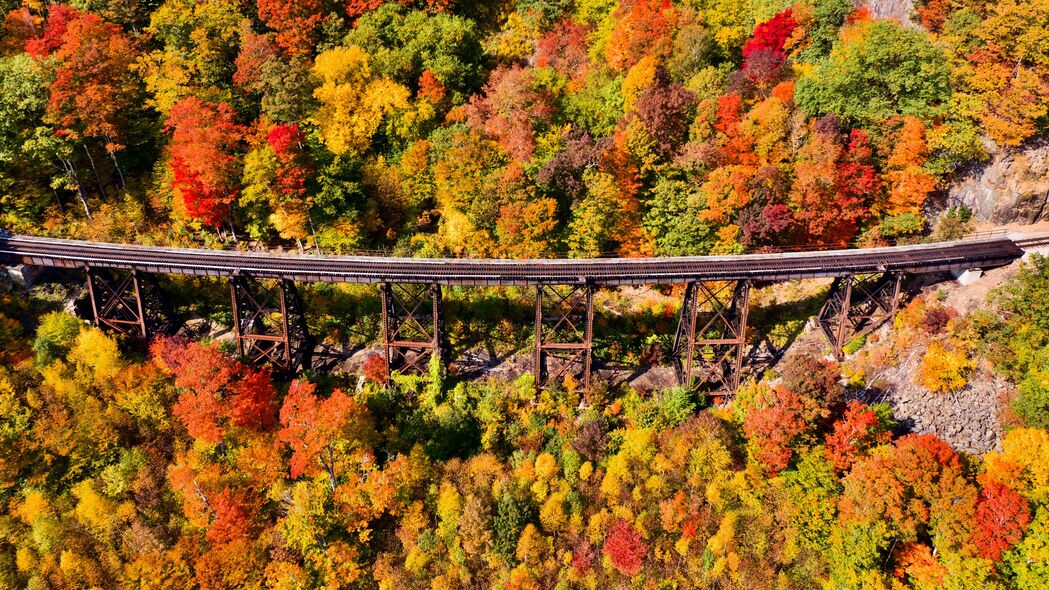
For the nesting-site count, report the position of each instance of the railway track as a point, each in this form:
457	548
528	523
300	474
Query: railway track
1029	242
924	258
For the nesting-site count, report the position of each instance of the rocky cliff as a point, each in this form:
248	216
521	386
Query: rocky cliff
1010	188
898	10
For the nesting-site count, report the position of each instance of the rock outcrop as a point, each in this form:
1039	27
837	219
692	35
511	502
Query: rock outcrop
1011	188
901	11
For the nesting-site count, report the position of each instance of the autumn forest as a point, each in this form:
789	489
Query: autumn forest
516	129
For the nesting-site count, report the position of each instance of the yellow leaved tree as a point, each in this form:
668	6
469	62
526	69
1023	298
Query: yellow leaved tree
353	103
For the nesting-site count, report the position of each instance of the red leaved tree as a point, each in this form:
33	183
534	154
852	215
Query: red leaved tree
644	27
510	109
907	180
858	183
50	39
204	139
295	165
321	431
295	23
771	35
917	561
918	487
625	548
666	110
357	8
255	51
375	370
835	185
217	391
858	430
1002	516
733	146
564	50
94	87
233	516
430	87
777	425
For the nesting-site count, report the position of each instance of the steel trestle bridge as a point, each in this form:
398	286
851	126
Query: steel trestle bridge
709	344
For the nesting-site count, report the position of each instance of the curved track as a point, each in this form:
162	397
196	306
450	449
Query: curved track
923	258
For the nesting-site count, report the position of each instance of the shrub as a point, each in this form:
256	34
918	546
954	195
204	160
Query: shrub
854	345
954	224
936	319
901	225
813	377
55	336
945	369
1032	399
662	410
374	369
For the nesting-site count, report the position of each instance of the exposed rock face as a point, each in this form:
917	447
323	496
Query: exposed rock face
1011	188
898	10
967	420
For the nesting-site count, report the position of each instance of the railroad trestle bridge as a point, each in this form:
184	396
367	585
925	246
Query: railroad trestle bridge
709	344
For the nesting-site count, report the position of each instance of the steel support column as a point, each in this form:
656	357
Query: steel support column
412	326
711	337
857	305
564	329
125	302
268	322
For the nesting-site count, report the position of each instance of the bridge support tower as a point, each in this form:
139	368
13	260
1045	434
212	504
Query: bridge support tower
126	302
564	334
268	322
711	337
858	305
412	326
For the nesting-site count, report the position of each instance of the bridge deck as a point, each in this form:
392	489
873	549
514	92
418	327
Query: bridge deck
923	258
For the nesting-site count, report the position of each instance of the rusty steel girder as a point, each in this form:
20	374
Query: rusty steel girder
564	334
269	323
412	326
711	336
126	302
858	305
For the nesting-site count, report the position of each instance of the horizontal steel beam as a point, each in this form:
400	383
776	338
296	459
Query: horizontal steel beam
916	259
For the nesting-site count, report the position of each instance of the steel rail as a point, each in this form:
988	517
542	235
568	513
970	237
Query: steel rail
924	258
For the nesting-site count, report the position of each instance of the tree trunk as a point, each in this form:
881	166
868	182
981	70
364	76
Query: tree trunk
58	200
313	231
75	179
94	170
330	467
120	173
204	499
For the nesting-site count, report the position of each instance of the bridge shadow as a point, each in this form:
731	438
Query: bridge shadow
775	327
487	327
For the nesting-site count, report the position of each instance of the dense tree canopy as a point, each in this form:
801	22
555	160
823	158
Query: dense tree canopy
514	128
877	71
447	128
185	467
